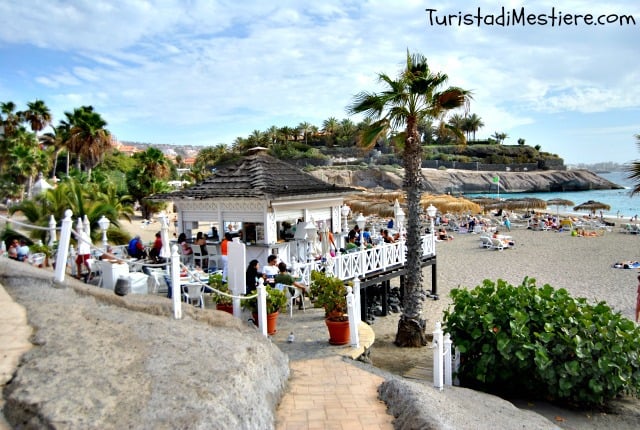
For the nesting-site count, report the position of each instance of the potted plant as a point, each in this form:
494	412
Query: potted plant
331	294
276	300
223	301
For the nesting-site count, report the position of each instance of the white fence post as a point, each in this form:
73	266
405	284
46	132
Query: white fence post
176	293
353	318
442	358
52	231
63	247
438	381
356	294
447	359
262	307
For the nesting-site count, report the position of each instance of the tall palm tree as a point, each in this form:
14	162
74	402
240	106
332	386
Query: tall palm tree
56	140
37	115
9	118
474	123
330	128
88	138
457	121
415	94
305	129
634	171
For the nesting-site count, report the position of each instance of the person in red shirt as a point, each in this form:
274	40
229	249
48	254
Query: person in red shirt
224	246
157	246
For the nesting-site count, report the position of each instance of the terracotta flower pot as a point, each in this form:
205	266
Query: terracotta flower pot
272	320
338	331
224	307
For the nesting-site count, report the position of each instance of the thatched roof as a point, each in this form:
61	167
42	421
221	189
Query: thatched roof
257	175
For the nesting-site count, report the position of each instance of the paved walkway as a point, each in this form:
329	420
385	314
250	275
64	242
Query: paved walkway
325	391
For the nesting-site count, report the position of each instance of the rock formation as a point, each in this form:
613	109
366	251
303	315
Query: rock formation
466	181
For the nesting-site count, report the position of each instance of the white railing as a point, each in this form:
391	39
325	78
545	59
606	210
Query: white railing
360	263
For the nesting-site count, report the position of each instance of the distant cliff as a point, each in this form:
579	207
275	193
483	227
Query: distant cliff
467	181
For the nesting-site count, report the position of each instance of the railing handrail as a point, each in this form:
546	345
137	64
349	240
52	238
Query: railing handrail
360	263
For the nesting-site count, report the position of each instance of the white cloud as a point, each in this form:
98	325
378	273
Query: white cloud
223	69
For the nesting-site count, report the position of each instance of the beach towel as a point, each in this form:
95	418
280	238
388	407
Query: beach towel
627	265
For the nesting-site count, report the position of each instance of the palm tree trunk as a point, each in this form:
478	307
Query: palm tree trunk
411	326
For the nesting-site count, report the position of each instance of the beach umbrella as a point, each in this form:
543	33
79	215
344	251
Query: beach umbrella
557	202
461	206
592	206
518	203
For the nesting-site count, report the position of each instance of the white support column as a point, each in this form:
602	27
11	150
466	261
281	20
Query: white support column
176	293
354	319
63	246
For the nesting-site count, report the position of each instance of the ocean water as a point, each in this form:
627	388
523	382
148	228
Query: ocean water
621	202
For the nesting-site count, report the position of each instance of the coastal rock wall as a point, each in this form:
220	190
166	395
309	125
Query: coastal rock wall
466	181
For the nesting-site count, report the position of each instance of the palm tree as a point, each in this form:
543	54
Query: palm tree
458	122
330	128
499	137
474	123
37	115
414	95
634	171
88	138
305	128
26	158
9	118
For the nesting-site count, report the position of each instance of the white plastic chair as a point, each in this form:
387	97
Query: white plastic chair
198	258
37	258
193	291
291	297
157	284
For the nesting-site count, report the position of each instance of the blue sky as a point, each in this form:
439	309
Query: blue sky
204	72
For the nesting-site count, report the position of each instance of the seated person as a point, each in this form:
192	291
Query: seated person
284	277
157	246
23	251
185	248
351	245
13	249
271	269
442	234
253	274
136	248
387	237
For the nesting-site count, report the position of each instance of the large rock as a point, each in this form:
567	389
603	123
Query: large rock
110	362
466	181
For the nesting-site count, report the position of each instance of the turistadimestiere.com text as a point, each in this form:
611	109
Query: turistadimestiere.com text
521	17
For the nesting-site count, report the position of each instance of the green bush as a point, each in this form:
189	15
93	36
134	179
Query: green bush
543	343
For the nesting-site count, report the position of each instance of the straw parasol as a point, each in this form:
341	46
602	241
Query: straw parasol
519	203
592	206
557	202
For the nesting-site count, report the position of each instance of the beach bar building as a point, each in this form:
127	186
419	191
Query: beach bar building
264	201
275	208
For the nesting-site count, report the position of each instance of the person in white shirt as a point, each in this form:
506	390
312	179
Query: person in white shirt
271	269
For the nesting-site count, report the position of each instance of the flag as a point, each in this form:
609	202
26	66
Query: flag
496	179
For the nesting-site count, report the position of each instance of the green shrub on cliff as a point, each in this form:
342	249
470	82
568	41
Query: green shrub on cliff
543	343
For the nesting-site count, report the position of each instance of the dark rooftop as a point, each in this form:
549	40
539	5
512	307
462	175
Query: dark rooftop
257	175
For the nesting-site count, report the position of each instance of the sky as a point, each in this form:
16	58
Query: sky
204	72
